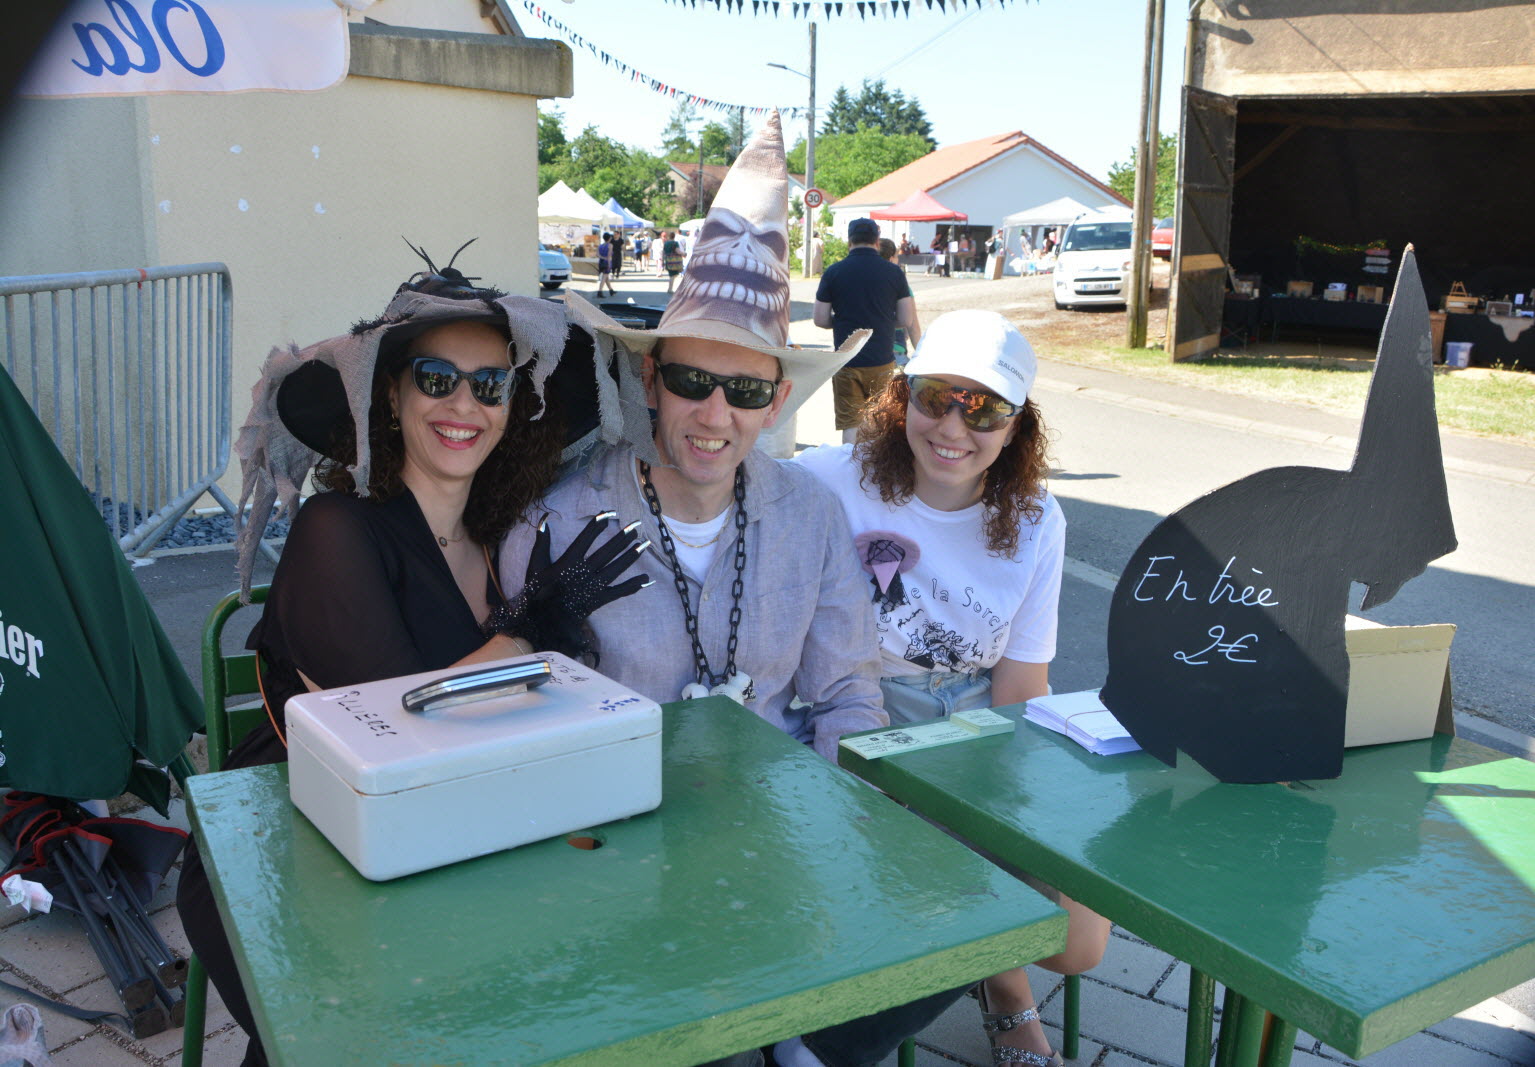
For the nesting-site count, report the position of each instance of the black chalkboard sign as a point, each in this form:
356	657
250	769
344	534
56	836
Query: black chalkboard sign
1226	627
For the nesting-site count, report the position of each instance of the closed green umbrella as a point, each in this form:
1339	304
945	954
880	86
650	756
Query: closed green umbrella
89	684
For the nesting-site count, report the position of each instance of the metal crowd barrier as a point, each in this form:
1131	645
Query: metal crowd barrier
130	371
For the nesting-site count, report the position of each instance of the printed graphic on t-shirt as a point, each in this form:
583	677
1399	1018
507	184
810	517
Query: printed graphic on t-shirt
886	556
930	644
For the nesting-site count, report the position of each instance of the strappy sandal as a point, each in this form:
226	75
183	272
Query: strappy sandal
998	1023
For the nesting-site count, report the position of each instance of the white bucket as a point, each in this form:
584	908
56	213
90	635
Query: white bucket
1457	353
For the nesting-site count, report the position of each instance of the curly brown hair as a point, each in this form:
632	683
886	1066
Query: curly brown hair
510	481
1014	490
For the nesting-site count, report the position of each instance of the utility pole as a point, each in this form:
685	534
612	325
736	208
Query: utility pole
1137	302
809	152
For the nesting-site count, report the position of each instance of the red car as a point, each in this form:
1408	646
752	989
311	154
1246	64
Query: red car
1162	238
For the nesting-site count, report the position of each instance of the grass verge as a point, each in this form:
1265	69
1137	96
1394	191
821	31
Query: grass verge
1487	402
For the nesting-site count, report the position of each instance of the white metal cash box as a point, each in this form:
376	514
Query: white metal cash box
492	757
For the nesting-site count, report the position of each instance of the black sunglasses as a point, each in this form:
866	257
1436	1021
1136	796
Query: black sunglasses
691	383
980	410
438	378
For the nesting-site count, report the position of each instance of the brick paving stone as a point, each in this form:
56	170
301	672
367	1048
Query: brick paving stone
1112	1017
1495	1027
97	1050
1132	964
52	949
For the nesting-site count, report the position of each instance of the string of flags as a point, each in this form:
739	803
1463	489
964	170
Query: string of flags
831	8
654	84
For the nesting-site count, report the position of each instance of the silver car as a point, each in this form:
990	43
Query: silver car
553	267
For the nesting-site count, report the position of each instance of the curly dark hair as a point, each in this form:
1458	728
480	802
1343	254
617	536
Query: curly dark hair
510	481
1014	490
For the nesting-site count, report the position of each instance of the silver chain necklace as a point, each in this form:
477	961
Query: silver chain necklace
731	682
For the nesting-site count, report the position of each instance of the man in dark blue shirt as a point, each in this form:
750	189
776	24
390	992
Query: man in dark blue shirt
864	291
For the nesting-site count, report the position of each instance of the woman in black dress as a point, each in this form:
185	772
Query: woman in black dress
457	427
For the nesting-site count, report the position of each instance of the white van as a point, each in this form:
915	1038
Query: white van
1093	265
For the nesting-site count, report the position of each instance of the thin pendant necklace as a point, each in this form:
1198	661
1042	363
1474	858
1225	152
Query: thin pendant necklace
731	683
704	544
446	541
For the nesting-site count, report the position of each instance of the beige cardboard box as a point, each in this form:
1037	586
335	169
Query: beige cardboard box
1399	682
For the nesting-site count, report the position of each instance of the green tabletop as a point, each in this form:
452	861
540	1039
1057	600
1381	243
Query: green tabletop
769	895
1361	909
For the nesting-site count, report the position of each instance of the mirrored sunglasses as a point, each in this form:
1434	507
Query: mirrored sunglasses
438	378
691	383
978	409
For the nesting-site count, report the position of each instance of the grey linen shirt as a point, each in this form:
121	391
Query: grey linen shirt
807	627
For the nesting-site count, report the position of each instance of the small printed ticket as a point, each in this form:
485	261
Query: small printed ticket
963	726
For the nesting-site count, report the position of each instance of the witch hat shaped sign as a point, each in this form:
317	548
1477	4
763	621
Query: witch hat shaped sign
1226	628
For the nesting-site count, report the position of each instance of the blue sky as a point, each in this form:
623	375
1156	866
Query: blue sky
1065	72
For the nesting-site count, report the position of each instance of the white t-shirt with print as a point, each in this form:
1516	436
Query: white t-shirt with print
959	607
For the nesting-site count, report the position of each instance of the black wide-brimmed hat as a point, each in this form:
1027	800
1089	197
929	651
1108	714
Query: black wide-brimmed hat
310	402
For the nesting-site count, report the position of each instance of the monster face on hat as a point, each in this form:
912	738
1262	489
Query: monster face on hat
739	272
735	289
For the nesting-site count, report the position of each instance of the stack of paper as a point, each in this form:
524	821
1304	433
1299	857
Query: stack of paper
1083	718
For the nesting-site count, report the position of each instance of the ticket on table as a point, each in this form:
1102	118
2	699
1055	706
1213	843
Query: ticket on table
908	739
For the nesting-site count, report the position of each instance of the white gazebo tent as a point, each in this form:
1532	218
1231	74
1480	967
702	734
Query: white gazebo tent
1057	212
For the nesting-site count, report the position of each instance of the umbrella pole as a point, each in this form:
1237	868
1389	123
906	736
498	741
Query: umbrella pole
134	990
173	969
133	930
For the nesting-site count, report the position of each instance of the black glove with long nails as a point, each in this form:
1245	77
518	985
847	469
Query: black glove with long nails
557	596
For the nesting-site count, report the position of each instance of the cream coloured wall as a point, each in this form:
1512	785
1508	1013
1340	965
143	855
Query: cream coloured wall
71	176
1353	48
307	198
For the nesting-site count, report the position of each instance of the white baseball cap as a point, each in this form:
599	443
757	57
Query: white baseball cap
981	346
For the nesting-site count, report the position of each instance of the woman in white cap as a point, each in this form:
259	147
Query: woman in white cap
944	491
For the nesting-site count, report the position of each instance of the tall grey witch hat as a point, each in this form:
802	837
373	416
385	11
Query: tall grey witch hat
314	402
735	288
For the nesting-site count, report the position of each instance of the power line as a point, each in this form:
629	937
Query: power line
926	44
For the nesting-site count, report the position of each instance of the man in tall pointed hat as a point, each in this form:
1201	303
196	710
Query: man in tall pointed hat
757	596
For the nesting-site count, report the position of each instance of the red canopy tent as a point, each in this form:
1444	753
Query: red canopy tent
918	207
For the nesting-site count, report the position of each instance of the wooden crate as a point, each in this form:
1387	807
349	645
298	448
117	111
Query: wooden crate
1297	289
1371	294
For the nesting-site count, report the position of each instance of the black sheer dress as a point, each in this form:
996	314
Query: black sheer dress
362	592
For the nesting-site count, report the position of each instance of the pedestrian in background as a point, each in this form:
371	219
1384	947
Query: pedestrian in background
671	259
864	291
605	264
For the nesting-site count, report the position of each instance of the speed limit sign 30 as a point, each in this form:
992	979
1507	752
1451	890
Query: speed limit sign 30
814	198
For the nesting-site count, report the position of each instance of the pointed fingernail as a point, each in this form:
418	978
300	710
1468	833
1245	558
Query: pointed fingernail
648	583
642	546
543	525
635	525
604	516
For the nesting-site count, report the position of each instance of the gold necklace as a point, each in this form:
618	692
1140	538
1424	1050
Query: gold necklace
446	541
679	538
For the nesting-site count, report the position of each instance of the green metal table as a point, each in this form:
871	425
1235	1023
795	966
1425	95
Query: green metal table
770	894
1361	909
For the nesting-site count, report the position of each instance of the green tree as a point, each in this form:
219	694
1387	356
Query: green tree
716	143
1164	198
677	135
848	161
877	108
552	147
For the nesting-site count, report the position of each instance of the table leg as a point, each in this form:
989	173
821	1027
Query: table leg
1249	1035
1072	1020
1196	1039
1231	1017
1281	1044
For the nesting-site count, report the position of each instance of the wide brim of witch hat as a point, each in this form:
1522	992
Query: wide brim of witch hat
807	368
